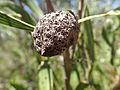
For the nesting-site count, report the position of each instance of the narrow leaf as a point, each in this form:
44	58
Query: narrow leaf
34	7
45	76
18	86
19	10
105	37
14	22
89	36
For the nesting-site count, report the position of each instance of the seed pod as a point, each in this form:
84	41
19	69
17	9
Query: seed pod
55	32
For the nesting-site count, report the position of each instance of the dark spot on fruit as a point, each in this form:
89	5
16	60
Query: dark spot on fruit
47	29
57	14
46	40
59	33
54	37
56	22
48	35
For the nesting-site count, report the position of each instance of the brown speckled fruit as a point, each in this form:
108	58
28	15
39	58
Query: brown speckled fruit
55	32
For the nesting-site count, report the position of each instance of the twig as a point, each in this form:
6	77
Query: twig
80	11
116	85
68	59
68	68
110	13
50	7
80	8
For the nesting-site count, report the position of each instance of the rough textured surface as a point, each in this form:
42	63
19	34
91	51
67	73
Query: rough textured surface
55	32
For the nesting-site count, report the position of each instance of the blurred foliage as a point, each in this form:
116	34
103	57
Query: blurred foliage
97	53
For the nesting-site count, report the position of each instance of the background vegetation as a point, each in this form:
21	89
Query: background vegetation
96	60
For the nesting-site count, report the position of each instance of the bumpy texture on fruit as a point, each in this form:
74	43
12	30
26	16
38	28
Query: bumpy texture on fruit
55	32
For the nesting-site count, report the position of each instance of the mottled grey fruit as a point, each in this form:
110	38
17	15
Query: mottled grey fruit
55	32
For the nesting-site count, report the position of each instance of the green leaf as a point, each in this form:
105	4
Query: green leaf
75	77
5	1
19	10
82	86
105	37
14	22
34	7
18	86
89	36
45	76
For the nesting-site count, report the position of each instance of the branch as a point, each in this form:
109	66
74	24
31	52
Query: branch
110	13
49	6
80	8
68	59
68	68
